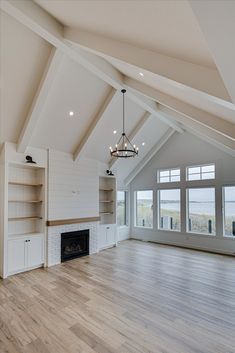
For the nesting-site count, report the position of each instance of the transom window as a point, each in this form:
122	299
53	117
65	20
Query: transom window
201	172
169	175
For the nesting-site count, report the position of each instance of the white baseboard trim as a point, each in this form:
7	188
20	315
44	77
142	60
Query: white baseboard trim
191	247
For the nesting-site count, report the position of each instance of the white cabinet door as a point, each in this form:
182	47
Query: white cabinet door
16	255
102	236
35	251
111	234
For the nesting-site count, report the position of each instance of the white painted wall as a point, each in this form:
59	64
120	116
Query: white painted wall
182	150
2	203
73	187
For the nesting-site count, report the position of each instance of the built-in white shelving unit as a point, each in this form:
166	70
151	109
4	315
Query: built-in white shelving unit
107	210
25	217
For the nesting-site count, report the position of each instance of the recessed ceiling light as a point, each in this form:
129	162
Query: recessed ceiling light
141	74
143	143
71	113
114	131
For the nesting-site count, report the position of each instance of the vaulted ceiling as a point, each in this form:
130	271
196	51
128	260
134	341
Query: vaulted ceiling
62	56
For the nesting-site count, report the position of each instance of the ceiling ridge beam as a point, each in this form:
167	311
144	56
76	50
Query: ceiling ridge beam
132	135
39	99
189	74
113	93
32	16
149	155
222	126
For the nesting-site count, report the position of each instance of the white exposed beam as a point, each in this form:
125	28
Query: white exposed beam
133	133
215	123
38	20
35	18
104	106
149	155
191	75
222	142
217	22
40	97
151	106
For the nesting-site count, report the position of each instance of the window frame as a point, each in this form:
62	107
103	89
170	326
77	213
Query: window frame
126	209
136	208
170	175
200	173
159	211
187	211
223	211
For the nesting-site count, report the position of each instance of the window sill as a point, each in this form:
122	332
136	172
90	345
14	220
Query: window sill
229	237
201	234
169	230
140	227
123	227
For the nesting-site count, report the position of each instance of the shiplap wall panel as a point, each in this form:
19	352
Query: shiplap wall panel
73	187
73	193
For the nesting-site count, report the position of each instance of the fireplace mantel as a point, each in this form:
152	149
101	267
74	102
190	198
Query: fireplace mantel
60	222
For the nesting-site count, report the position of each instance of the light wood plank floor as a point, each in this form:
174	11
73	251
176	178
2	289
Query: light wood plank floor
136	298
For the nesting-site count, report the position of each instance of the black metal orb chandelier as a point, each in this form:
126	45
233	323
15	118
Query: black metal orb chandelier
124	148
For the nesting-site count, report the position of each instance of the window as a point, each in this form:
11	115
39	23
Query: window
121	208
201	210
202	172
169	175
144	209
229	210
169	209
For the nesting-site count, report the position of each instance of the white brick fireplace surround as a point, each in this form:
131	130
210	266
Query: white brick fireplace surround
54	239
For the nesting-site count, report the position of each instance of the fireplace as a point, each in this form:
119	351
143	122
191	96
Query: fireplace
74	244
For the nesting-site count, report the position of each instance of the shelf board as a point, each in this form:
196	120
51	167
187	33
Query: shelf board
24	218
106	212
16	235
60	222
26	201
106	201
106	189
23	184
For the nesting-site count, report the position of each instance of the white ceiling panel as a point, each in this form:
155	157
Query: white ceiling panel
168	27
189	95
103	136
150	134
74	89
23	59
